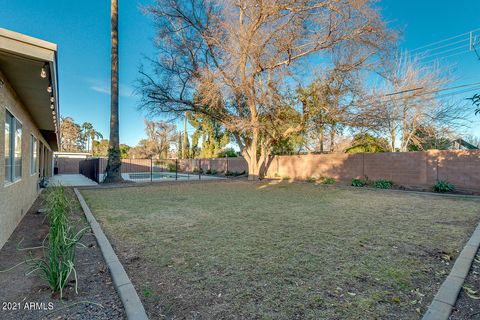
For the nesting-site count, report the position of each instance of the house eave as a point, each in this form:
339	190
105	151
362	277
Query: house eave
21	61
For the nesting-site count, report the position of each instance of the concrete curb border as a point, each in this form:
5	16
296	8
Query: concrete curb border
125	289
446	297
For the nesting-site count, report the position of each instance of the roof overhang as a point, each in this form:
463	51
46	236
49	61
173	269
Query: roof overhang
21	61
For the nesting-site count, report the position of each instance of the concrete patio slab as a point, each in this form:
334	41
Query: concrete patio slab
71	180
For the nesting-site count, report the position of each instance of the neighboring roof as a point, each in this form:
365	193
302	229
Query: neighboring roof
21	61
463	143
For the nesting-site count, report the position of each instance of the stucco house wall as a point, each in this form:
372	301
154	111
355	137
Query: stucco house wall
17	197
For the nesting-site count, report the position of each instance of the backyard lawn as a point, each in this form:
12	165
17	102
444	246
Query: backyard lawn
285	250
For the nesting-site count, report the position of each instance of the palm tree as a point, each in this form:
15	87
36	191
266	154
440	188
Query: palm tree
113	172
86	128
94	134
89	134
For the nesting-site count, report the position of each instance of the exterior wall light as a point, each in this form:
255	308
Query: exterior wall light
52	107
49	89
52	99
43	73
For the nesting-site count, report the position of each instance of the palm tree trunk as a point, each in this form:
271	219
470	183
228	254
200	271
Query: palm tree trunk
113	172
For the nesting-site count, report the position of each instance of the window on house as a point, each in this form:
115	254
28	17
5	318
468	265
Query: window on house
33	154
18	150
13	148
8	142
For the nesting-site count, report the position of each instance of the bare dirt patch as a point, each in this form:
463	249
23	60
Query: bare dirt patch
23	297
468	303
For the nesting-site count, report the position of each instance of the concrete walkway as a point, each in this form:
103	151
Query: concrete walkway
71	180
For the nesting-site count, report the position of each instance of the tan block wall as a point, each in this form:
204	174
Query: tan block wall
17	198
418	169
221	165
302	167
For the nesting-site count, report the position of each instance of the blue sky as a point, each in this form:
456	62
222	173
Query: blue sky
82	31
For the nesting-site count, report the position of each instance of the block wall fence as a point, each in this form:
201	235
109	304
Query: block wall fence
413	169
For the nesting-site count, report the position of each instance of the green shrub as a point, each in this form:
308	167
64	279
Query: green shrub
211	171
383	184
358	182
234	173
171	167
58	262
328	180
166	165
285	178
442	186
229	152
311	179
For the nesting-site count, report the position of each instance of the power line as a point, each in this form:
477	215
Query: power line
445	45
431	92
403	91
441	41
445	57
476	86
443	52
431	50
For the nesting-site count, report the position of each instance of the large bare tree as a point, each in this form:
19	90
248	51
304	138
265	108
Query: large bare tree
232	60
113	172
407	102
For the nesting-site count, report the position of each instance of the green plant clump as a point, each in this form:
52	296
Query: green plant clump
383	184
328	180
442	186
311	179
234	173
211	171
58	262
358	182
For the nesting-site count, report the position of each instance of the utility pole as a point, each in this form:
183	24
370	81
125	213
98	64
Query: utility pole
185	139
473	43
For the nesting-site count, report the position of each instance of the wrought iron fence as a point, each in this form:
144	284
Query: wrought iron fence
160	170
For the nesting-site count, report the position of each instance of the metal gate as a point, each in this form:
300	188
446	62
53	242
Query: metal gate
90	168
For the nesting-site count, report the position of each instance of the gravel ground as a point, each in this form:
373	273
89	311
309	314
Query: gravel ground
28	297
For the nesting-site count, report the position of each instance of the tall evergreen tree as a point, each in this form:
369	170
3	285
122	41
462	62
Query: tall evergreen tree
113	173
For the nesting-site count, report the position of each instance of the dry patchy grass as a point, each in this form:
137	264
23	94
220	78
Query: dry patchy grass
283	251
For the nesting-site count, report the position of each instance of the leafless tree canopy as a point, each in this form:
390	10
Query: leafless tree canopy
232	59
415	107
161	136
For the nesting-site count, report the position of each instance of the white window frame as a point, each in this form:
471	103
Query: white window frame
13	130
33	151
